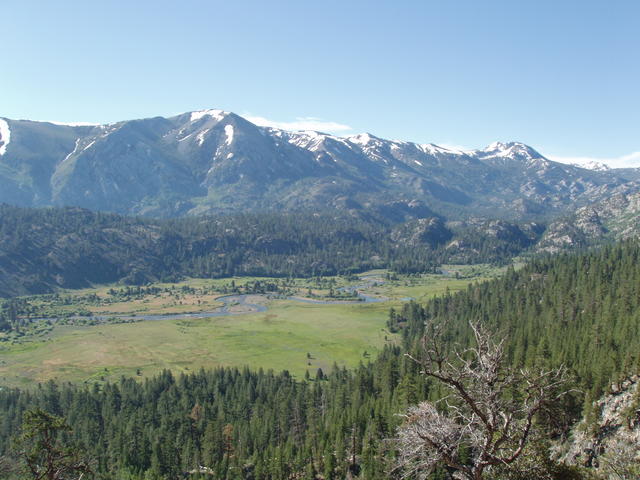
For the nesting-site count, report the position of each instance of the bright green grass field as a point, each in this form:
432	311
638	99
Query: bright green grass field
277	339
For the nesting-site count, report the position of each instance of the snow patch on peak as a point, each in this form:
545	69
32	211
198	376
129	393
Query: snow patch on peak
501	147
433	149
201	135
5	136
593	165
185	137
492	147
361	139
72	151
311	140
213	113
511	150
507	147
312	133
228	130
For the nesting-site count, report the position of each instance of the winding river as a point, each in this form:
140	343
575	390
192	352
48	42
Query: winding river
256	303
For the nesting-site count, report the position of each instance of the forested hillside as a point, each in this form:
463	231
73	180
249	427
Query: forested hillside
41	249
582	311
579	310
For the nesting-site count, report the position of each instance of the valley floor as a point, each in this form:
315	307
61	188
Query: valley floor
289	334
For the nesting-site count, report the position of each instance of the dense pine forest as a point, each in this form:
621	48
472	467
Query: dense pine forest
41	249
576	310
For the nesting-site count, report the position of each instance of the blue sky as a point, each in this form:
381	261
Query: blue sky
562	76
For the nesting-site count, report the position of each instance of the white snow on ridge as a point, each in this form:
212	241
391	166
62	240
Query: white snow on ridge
506	148
509	150
495	146
311	133
631	160
200	136
432	149
75	124
307	139
185	137
72	151
592	165
5	136
214	113
228	130
302	138
75	149
360	139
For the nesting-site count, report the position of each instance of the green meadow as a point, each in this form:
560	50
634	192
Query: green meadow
290	335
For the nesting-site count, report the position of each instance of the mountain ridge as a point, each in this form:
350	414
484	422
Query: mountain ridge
213	161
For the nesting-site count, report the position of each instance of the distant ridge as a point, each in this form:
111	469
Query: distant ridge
213	161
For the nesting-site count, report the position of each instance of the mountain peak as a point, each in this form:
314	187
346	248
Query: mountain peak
502	146
362	138
496	146
593	165
510	150
216	114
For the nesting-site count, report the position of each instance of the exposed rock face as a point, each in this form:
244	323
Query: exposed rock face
616	217
610	441
499	238
430	231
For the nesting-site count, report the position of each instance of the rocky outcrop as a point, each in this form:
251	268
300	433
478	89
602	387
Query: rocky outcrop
429	231
608	440
615	218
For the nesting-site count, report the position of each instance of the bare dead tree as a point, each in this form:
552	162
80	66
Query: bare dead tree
489	413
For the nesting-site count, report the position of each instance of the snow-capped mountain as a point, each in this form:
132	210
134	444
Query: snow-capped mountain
216	161
593	165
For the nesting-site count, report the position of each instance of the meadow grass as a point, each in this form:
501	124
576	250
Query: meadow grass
277	339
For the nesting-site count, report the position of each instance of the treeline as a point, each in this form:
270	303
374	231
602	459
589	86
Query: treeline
41	249
580	311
